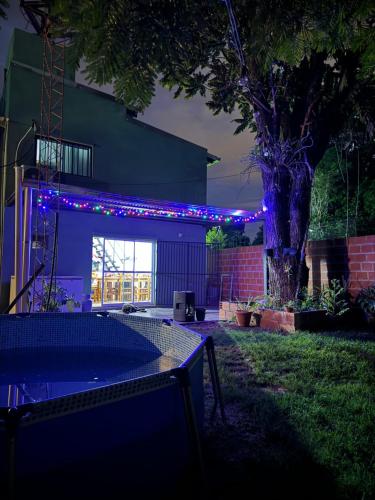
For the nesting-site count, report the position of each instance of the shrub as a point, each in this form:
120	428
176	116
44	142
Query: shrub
333	299
366	299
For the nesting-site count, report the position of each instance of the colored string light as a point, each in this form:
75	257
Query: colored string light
44	200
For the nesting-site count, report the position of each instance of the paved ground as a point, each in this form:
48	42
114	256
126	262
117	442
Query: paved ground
167	312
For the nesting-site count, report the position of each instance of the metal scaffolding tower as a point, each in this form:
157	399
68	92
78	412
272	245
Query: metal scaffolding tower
49	155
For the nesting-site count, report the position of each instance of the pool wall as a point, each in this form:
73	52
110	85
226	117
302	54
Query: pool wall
132	432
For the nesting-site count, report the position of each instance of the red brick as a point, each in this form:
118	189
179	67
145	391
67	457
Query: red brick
362	276
367	266
354	249
367	248
357	258
358	239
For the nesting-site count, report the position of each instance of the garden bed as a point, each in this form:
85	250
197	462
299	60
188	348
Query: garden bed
314	320
292	321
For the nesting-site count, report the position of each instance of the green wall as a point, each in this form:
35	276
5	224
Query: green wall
129	157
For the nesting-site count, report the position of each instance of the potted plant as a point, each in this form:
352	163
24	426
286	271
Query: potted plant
51	300
289	306
244	312
56	299
366	301
257	306
71	304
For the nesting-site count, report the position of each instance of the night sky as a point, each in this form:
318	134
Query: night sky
191	120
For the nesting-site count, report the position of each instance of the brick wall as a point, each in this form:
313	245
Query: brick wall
245	265
361	262
352	259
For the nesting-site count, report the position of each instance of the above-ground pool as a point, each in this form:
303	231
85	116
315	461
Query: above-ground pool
93	403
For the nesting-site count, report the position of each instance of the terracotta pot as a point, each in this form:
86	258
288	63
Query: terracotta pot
243	318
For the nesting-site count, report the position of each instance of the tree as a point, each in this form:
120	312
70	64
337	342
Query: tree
215	236
258	239
297	72
236	238
227	237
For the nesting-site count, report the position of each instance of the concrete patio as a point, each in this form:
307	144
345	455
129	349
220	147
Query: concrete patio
167	312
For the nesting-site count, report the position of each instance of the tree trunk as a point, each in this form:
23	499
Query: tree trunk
300	200
287	193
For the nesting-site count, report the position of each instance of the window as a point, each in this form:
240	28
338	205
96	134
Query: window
122	271
75	158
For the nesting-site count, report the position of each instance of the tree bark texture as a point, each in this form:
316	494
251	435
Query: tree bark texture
287	199
294	125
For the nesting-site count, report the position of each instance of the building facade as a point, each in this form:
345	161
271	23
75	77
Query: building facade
105	149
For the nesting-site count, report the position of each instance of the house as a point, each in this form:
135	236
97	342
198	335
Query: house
112	164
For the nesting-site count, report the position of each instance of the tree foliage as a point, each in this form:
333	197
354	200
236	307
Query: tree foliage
236	238
299	73
227	236
343	194
216	236
303	57
258	239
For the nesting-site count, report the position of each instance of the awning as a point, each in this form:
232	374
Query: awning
86	200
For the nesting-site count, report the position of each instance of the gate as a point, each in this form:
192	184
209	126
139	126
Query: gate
187	266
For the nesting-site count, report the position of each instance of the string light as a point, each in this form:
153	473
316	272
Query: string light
45	200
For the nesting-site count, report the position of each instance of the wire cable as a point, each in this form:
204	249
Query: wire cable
12	163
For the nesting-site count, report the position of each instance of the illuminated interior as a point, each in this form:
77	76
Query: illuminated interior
123	271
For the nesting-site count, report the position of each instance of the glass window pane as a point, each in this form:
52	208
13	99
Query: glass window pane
112	288
113	258
129	256
38	150
118	254
97	268
127	288
97	254
57	155
67	164
108	254
53	154
70	164
143	256
142	287
96	289
84	161
42	148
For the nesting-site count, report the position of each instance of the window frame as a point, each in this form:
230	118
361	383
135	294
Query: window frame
74	144
152	272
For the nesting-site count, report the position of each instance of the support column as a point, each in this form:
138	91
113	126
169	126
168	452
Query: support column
18	234
26	247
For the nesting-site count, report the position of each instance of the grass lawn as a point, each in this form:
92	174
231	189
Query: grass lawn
301	415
